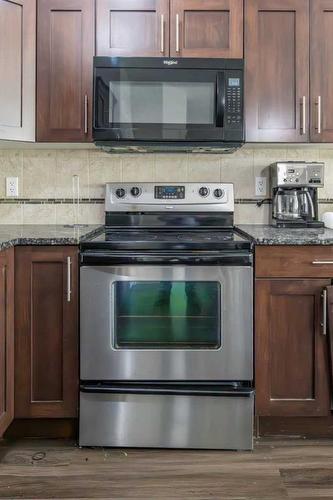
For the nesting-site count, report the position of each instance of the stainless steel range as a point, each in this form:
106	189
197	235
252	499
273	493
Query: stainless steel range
166	321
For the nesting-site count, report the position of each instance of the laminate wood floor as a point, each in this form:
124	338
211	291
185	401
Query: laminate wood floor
276	469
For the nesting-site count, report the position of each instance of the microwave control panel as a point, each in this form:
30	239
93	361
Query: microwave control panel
233	100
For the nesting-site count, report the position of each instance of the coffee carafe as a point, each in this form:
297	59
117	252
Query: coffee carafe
294	193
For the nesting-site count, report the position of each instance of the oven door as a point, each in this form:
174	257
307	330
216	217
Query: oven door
166	323
156	104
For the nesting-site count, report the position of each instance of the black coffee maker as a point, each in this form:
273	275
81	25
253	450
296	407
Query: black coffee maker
294	193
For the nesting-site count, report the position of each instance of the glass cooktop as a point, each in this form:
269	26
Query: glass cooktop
162	239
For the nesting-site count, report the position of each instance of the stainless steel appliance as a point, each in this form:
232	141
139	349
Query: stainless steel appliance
166	321
294	193
159	104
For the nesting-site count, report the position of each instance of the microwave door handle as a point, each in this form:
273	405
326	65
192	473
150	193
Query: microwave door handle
220	99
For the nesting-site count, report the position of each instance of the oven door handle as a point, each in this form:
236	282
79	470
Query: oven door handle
194	390
113	257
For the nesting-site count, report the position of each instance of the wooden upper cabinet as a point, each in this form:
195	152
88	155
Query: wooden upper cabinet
209	28
6	339
277	70
321	70
132	28
291	370
65	49
46	332
17	69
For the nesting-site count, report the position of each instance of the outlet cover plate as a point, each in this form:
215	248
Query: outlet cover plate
261	186
12	188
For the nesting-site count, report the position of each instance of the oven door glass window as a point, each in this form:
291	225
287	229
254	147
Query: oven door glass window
167	314
155	97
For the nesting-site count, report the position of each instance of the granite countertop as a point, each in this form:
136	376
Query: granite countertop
267	235
31	234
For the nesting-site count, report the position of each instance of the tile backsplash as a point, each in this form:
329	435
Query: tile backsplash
46	179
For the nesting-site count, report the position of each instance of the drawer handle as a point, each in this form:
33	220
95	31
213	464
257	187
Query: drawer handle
324	322
322	262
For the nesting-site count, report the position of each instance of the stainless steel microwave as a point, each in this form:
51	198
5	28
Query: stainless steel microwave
159	104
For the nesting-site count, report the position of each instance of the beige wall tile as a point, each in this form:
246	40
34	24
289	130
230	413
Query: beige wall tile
240	173
69	165
11	213
10	166
138	168
324	207
306	154
102	170
39	213
65	214
39	174
171	167
88	214
251	214
204	168
91	214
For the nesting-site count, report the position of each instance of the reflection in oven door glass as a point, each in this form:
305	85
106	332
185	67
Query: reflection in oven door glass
167	314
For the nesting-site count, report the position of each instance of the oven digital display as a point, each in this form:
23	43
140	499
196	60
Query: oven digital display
169	192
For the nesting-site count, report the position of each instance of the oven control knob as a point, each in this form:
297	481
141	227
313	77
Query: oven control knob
203	191
120	193
218	193
135	191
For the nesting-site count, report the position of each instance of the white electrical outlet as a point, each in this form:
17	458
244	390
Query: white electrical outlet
12	188
261	186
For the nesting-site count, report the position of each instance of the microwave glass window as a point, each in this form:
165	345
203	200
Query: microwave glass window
161	102
167	314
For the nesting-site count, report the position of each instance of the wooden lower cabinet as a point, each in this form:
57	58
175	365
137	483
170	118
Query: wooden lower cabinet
6	339
291	368
46	332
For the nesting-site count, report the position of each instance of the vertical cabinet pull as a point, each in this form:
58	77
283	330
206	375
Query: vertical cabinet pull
162	33
85	114
69	280
303	121
177	33
319	114
324	322
5	385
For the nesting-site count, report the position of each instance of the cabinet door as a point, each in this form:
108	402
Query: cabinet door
6	339
65	49
277	70
132	28
213	28
46	332
321	70
291	370
17	69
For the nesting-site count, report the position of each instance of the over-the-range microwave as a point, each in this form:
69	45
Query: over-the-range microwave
159	104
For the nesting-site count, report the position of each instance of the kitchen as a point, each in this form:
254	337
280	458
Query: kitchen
131	271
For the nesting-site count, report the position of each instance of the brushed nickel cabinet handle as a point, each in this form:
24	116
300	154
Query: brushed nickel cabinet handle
319	114
322	262
303	106
4	279
69	280
162	33
324	322
177	33
85	114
